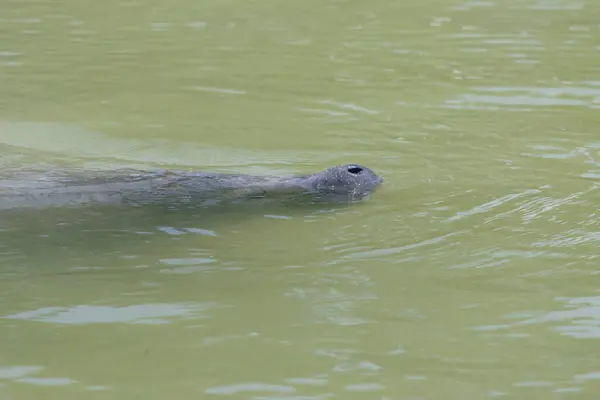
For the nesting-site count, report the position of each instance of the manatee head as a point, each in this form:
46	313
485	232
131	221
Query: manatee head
344	182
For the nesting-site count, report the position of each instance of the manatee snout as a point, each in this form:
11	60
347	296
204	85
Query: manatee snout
359	170
352	181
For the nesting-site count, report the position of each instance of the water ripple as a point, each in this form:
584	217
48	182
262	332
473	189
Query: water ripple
582	320
528	96
21	374
135	314
250	387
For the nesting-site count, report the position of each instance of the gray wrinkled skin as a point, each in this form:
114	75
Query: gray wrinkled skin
343	183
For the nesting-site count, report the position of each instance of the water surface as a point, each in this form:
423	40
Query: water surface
471	274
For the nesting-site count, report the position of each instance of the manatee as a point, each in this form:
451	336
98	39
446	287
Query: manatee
341	183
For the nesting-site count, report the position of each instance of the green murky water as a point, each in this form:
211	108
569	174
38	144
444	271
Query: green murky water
472	274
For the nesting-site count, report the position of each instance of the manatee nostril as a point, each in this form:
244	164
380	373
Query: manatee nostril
354	170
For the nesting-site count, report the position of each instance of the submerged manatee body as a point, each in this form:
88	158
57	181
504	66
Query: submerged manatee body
342	183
